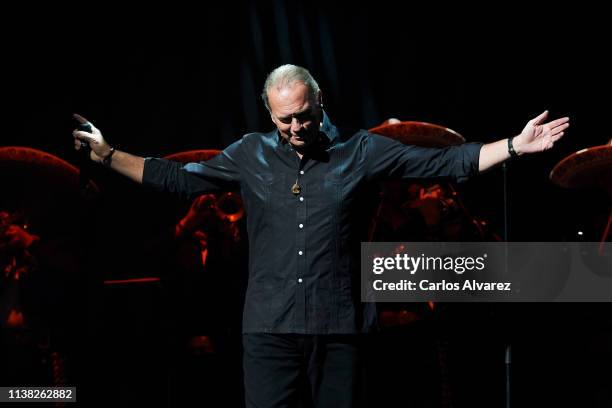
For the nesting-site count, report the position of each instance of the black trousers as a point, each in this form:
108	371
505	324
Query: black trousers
294	370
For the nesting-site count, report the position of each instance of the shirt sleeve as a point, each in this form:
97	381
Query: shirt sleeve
192	179
388	158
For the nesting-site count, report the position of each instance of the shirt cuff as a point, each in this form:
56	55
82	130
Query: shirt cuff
471	160
154	172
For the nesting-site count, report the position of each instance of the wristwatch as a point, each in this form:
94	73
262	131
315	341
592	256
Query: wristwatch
106	161
511	148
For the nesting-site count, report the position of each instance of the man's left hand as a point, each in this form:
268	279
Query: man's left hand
538	136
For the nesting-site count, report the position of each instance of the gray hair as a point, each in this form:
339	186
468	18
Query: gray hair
286	75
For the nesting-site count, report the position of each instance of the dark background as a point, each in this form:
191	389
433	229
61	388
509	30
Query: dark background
192	79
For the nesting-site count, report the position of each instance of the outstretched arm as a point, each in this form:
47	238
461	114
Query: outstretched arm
537	136
187	180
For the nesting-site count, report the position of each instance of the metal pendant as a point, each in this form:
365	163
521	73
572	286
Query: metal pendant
296	189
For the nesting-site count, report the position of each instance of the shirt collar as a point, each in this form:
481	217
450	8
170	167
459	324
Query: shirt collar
328	128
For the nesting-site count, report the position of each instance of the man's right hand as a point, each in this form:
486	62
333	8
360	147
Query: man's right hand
99	148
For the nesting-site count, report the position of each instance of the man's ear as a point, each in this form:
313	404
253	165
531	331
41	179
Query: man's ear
320	98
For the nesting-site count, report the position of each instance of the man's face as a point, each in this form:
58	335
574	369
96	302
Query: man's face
295	114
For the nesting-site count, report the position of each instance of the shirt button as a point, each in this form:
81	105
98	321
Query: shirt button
301	225
301	253
301	171
300	280
301	198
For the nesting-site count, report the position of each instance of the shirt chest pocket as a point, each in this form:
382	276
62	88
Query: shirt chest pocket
277	194
326	197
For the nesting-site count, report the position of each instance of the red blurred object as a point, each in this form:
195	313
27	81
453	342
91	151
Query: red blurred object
130	281
590	167
587	167
201	345
15	319
193	155
43	189
419	133
391	318
53	170
227	207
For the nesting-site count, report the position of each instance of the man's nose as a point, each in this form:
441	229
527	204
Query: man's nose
296	125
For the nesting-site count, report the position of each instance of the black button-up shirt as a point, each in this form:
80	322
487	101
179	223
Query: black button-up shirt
304	248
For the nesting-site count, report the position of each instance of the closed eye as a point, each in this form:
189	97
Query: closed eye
301	117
